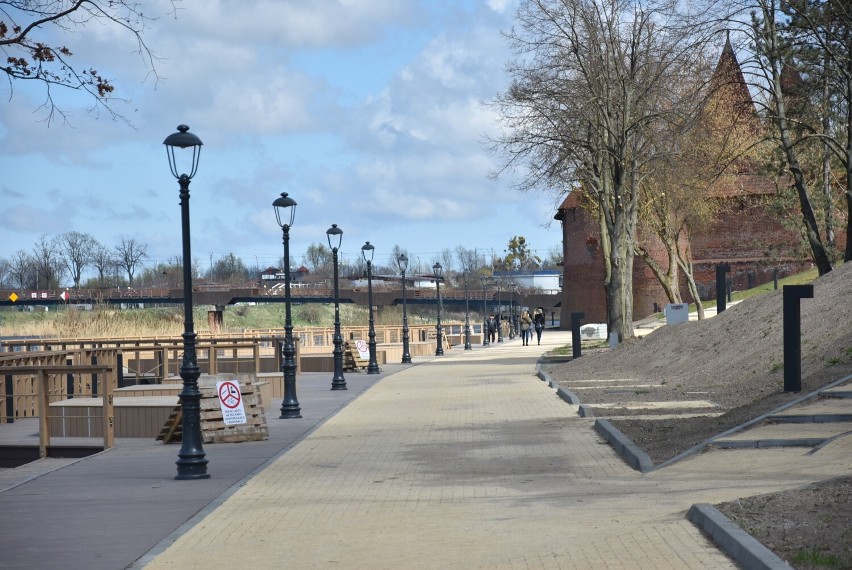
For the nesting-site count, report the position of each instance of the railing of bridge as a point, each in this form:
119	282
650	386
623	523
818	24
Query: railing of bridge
74	296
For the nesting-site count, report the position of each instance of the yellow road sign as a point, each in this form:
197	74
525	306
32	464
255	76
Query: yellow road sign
13	297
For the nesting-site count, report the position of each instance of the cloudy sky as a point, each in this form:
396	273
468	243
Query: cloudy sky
367	112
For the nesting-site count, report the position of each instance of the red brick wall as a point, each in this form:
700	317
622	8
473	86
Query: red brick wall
746	237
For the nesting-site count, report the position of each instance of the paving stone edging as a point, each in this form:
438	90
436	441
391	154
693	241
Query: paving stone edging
624	446
566	395
737	543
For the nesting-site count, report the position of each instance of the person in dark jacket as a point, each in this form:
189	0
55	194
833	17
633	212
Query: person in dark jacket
538	323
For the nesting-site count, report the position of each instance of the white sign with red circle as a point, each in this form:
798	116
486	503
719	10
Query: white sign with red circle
363	349
231	402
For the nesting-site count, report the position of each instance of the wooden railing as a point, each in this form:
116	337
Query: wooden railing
154	359
31	381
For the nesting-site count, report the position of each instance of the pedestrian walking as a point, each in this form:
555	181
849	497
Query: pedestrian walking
526	325
538	323
492	328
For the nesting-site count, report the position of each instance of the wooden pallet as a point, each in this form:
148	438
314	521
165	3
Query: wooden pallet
173	428
213	428
352	361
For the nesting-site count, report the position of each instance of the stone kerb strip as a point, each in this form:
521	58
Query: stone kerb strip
736	542
628	450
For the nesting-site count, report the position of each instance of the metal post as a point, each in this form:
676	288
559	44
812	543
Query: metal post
793	335
485	341
285	214
467	345
576	341
372	366
290	405
720	286
192	462
406	355
10	400
439	350
499	314
338	382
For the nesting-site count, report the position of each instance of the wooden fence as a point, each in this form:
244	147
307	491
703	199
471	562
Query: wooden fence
31	381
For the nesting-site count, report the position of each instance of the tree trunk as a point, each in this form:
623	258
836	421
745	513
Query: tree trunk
772	53
668	278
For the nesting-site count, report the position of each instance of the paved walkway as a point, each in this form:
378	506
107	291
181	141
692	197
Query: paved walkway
469	461
463	461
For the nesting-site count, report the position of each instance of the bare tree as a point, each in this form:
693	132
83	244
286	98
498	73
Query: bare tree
76	250
229	269
129	253
48	263
103	260
21	268
318	259
396	252
470	260
27	25
5	276
593	81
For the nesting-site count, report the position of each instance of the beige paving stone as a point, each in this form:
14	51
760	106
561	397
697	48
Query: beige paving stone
470	461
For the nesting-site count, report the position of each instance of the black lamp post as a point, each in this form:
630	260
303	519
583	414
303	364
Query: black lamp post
402	260
192	462
335	239
439	272
466	316
285	213
484	280
369	250
499	282
513	318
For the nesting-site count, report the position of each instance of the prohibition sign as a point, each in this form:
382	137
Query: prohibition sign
229	395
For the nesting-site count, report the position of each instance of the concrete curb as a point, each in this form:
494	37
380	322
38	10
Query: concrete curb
632	455
566	395
737	543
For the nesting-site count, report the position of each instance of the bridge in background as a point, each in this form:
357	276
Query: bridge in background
222	296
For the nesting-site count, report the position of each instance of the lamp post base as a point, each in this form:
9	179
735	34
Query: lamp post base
293	412
189	468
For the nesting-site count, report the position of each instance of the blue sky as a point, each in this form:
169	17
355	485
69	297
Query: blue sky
367	112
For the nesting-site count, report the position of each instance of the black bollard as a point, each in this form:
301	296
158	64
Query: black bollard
575	334
775	278
69	381
10	400
720	286
793	335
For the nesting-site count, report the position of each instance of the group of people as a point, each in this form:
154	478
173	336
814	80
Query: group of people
528	324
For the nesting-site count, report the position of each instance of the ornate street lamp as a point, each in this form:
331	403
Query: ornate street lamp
192	462
402	260
335	239
285	213
485	342
369	250
439	272
499	283
466	316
